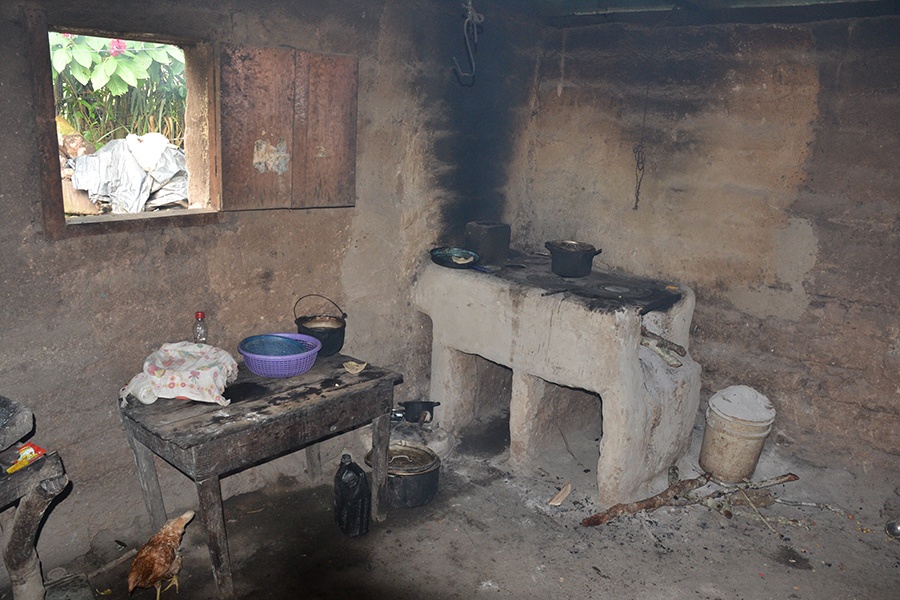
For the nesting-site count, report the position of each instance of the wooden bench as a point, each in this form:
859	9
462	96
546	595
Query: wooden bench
34	486
267	418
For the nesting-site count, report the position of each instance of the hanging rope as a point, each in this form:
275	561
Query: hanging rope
470	35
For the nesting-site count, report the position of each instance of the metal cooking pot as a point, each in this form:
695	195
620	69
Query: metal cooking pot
413	474
571	259
418	411
328	329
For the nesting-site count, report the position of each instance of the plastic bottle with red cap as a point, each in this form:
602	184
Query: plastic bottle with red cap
200	330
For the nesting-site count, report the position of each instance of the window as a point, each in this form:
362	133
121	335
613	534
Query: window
120	120
200	137
263	140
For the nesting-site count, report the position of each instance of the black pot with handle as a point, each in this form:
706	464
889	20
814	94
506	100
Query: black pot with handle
414	472
328	329
571	259
419	411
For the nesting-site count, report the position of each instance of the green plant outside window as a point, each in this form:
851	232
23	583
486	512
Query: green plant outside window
106	88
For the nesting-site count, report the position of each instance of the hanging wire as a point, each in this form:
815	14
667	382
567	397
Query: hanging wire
470	34
639	154
639	158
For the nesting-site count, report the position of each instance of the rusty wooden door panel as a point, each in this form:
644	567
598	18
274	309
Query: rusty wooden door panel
257	104
328	177
301	123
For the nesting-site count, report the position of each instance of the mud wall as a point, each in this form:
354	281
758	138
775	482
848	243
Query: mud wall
79	315
768	186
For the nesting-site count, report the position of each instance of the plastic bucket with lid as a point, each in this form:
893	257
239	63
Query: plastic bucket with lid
738	420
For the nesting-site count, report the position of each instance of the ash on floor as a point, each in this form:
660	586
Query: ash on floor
490	533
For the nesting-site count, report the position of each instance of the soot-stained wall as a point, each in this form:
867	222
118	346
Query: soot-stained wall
769	187
80	314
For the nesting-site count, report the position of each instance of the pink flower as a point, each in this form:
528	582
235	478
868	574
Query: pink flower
116	47
68	36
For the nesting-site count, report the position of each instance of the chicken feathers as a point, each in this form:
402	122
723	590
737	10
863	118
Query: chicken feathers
159	559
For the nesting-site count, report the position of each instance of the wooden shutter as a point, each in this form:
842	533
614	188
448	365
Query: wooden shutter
257	127
288	128
328	177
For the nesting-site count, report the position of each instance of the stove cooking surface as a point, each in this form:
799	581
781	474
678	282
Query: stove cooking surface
602	290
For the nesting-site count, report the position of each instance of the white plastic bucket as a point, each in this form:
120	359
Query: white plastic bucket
738	420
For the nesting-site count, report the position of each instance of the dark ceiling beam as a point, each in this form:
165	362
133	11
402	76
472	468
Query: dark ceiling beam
570	13
595	7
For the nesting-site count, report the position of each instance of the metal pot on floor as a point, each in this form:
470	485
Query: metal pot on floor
413	474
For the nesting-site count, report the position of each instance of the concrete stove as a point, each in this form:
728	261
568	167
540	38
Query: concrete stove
580	333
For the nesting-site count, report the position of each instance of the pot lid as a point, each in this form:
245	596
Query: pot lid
409	459
742	403
570	246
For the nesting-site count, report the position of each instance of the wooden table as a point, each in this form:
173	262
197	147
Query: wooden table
267	418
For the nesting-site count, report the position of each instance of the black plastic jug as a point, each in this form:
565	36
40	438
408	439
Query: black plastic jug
352	498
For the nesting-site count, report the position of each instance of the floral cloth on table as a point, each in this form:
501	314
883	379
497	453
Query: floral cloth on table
183	370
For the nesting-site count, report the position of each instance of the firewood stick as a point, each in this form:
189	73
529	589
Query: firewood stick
755	485
652	503
734	488
663	342
665	354
751	485
832	508
759	514
761	498
802	523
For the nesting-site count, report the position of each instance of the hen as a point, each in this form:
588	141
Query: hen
159	559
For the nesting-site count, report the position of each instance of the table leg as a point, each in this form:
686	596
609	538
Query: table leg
146	468
314	462
19	554
213	519
380	436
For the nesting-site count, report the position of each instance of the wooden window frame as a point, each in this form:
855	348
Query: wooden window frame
201	139
320	117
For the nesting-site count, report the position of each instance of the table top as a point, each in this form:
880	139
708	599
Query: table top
256	403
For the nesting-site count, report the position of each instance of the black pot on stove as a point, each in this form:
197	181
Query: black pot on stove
571	259
419	411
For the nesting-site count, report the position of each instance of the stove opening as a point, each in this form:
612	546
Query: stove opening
566	433
488	434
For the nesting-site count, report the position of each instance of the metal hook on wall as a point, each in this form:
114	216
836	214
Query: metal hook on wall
470	34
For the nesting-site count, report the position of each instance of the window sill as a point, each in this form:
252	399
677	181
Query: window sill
183	217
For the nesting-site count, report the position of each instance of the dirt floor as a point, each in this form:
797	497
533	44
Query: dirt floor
490	533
